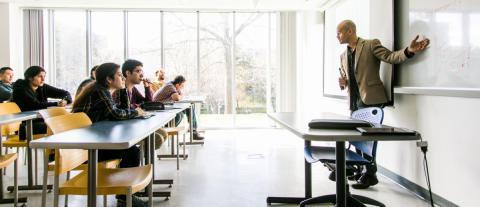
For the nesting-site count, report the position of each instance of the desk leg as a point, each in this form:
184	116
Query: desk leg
30	185
190	116
92	177
152	161
29	152
149	159
2	199
191	122
308	186
340	174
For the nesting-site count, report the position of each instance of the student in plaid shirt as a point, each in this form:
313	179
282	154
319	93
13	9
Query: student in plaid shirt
97	102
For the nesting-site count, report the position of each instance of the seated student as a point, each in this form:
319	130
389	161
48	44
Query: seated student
87	81
6	78
131	98
160	80
96	101
32	93
172	91
132	70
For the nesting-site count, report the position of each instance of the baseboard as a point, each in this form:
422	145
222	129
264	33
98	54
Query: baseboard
415	189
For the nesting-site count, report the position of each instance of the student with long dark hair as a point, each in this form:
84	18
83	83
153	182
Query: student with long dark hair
32	93
97	102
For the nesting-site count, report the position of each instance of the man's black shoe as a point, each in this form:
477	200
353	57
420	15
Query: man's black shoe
349	173
355	176
136	202
365	181
197	136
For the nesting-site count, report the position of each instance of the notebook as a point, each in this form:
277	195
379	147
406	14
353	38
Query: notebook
385	130
337	124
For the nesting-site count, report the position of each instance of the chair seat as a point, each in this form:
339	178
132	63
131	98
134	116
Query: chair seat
327	155
14	141
104	164
7	159
110	181
174	130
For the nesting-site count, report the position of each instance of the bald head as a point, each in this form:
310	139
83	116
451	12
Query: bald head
346	25
346	32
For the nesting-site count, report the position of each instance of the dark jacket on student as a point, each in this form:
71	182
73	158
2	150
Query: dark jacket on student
29	100
5	91
99	106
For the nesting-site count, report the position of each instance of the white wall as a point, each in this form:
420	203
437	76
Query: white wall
450	126
11	38
4	35
309	61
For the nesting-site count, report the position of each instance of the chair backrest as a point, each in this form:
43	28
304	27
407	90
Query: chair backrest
373	115
9	108
68	159
51	112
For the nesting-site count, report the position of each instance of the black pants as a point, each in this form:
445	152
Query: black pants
130	157
39	127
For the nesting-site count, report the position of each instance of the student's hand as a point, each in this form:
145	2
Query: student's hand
417	46
147	83
342	82
62	103
140	111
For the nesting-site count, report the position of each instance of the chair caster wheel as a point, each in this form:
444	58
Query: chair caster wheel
167	198
170	186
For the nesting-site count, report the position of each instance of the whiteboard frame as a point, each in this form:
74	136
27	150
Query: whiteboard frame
439	91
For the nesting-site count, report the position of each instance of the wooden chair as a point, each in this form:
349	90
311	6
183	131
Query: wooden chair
123	181
58	111
12	139
175	132
6	160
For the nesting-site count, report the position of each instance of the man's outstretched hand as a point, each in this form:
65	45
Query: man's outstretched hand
418	46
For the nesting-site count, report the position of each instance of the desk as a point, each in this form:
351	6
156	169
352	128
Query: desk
192	100
107	135
11	118
178	107
298	125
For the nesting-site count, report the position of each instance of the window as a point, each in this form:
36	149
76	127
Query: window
251	61
70	49
144	40
229	57
180	31
107	37
216	67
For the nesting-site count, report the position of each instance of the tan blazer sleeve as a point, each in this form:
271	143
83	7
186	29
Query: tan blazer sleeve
386	55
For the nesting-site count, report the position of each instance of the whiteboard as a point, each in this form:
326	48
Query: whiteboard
374	20
453	57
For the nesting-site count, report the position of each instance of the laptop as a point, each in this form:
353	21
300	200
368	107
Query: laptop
385	130
337	124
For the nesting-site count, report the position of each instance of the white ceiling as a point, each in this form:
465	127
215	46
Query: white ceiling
179	4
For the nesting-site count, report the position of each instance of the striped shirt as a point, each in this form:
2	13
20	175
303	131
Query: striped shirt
165	94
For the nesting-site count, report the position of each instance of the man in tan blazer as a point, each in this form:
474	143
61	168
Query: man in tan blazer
360	74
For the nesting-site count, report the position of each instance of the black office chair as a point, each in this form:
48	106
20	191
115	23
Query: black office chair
353	158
